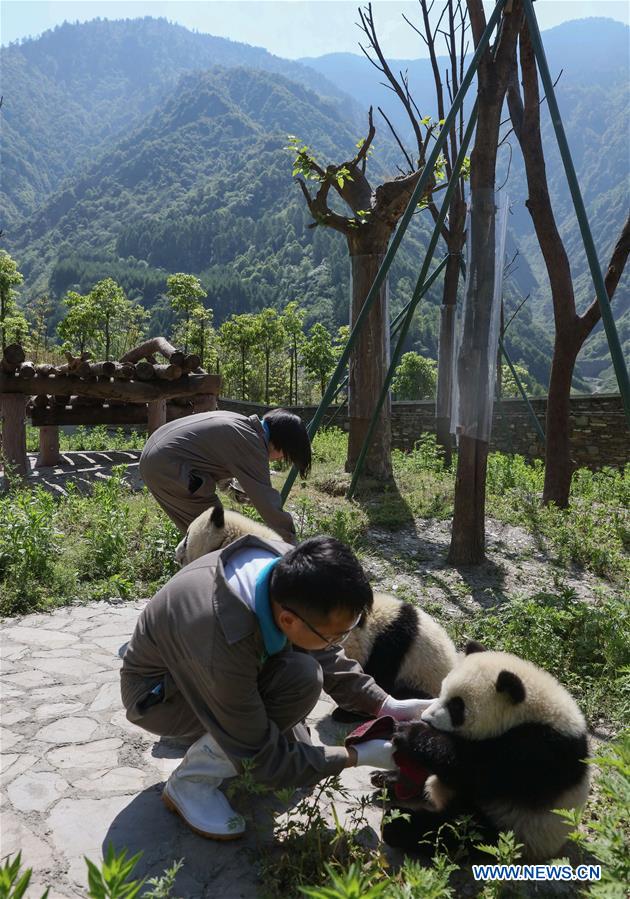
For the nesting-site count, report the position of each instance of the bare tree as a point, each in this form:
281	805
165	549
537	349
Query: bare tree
571	328
495	66
375	213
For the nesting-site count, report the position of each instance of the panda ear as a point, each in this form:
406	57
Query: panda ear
510	683
472	646
217	517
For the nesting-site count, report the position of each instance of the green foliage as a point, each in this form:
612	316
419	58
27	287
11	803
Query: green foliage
426	455
506	851
330	445
593	531
606	834
508	382
111	880
352	883
13	881
95	439
29	547
586	646
415	378
13	325
79	548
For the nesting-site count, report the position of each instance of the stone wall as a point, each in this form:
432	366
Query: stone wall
599	433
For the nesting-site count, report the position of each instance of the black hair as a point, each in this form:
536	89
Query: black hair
288	433
320	576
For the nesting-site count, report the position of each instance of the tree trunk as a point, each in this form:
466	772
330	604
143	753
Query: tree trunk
48	446
13	419
468	536
368	366
558	463
468	532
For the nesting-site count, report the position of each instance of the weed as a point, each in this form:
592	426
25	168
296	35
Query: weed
585	646
606	835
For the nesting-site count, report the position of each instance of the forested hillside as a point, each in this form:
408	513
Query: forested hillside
72	92
174	163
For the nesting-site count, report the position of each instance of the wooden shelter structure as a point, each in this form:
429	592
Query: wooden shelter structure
136	390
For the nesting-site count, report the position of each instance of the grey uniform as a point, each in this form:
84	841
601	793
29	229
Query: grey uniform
203	641
210	447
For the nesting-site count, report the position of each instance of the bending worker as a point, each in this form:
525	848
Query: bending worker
232	653
183	460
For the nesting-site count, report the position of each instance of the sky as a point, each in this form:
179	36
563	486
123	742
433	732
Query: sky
288	28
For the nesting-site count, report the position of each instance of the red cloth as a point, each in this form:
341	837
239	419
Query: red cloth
411	776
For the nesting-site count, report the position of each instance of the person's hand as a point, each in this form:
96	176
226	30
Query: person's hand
375	753
404	709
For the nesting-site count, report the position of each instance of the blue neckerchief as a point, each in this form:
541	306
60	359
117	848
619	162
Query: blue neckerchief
265	426
273	637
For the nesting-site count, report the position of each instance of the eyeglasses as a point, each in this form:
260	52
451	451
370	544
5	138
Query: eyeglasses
337	640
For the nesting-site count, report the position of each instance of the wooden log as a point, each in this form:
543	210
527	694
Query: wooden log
124	371
48	447
126	414
192	362
26	371
129	414
145	371
167	372
102	369
62	400
81	400
12	357
40	401
150	347
45	370
73	363
132	391
13	417
156	415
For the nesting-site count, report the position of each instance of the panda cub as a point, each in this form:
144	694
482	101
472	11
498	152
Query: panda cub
504	742
405	650
214	529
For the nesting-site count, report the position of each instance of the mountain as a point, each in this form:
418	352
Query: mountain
203	184
71	93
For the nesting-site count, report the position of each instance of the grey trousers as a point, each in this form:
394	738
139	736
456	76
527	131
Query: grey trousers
290	684
170	488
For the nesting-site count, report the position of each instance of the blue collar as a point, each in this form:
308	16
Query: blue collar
273	637
265	427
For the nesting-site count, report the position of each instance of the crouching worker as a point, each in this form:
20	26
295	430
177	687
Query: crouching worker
233	652
183	461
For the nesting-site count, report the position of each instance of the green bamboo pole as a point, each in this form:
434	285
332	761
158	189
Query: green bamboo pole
402	227
616	352
417	295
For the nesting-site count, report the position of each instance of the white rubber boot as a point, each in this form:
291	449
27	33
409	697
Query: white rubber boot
192	792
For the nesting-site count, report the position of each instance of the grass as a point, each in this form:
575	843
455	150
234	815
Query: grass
111	543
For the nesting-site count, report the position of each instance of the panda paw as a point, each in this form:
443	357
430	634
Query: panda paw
410	736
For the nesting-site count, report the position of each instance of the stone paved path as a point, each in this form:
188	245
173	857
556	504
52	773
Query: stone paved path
75	774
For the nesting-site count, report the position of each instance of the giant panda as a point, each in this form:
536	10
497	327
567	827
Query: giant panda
406	652
214	529
503	742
